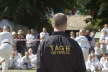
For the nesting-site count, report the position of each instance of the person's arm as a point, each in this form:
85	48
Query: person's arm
80	63
40	60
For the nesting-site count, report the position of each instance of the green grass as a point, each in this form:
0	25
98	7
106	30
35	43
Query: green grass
21	71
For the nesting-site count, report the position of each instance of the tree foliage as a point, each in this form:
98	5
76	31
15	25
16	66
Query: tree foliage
31	12
98	9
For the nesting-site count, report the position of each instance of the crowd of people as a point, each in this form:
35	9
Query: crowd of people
24	53
30	39
24	47
95	52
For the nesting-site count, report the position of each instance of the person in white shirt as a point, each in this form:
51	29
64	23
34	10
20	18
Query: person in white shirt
32	57
105	30
102	59
104	37
6	45
25	61
30	38
98	50
44	34
105	65
93	64
103	44
14	60
83	43
93	41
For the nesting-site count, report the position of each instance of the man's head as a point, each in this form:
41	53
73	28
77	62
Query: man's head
59	21
32	31
44	29
30	51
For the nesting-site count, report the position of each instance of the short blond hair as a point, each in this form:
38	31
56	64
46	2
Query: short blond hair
59	19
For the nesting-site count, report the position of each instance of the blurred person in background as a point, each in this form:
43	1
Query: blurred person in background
104	38
6	46
92	34
32	40
30	52
93	42
72	35
77	34
83	43
98	50
105	65
103	58
93	64
87	34
32	57
25	61
105	30
29	36
44	34
106	41
103	43
21	42
14	60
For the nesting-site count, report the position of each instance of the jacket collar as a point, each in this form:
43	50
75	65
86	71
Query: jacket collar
59	33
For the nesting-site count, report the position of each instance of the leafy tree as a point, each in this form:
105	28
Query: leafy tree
98	9
31	13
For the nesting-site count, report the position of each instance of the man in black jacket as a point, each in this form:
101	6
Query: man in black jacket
59	53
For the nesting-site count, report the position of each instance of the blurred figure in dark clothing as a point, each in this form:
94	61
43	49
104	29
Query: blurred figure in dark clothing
88	35
60	53
20	42
90	40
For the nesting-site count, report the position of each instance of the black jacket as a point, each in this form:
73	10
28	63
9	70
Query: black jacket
59	53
